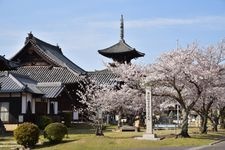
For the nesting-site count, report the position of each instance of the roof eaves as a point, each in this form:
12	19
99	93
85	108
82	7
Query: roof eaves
19	51
47	84
61	89
102	51
16	81
42	52
11	91
48	54
33	89
54	89
7	64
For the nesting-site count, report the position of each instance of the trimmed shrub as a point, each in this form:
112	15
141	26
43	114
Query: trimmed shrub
55	132
43	121
27	134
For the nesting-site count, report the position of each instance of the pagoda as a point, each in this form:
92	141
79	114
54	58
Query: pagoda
121	52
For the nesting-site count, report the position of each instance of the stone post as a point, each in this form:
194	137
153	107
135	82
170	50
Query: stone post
149	135
148	99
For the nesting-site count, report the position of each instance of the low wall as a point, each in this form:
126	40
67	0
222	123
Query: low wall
10	127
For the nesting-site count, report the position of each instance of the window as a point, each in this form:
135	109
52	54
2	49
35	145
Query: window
4	111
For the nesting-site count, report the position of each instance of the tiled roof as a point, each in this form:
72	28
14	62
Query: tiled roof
8	84
52	53
51	89
30	84
6	64
11	82
49	74
103	76
55	53
14	83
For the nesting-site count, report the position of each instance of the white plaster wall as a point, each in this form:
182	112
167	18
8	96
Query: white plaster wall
33	105
48	106
24	103
56	107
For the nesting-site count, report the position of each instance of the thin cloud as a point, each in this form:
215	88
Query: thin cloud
175	21
163	22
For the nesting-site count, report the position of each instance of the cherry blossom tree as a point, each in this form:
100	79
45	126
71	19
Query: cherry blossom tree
210	65
168	79
132	89
126	96
184	76
94	97
217	109
125	101
203	107
220	107
222	117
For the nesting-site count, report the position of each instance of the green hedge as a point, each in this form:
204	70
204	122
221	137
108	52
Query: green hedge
55	132
43	121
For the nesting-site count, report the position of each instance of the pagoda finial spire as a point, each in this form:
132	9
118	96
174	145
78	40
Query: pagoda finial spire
121	28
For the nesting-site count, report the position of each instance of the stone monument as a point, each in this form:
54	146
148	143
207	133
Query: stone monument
149	135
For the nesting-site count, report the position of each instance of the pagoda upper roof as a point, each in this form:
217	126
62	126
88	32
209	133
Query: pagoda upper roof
121	51
50	53
120	48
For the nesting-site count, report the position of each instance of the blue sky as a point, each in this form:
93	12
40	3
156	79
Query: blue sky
81	27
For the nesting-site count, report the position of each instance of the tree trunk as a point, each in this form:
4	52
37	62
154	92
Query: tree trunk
99	130
184	125
222	119
119	123
204	120
99	127
222	122
215	121
215	127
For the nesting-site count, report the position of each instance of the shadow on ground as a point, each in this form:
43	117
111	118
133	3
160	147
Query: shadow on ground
48	144
216	136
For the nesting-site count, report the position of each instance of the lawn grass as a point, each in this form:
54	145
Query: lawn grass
84	138
80	139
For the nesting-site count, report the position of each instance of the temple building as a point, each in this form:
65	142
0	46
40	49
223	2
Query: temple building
45	83
121	52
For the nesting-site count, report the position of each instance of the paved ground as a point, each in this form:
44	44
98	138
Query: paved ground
171	148
218	146
164	148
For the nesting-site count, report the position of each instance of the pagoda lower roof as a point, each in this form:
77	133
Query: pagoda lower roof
120	48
